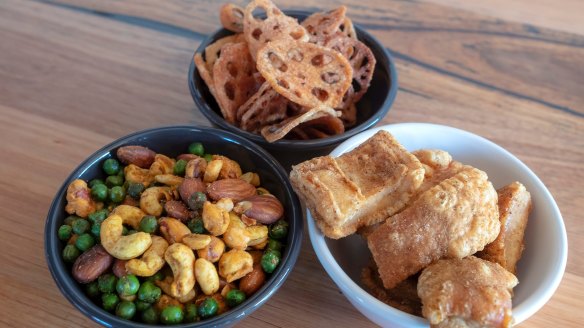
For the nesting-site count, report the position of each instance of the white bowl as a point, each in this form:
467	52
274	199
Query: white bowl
546	247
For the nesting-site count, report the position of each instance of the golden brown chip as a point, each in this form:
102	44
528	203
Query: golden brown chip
305	73
322	25
265	107
349	114
233	78
231	17
205	73
322	127
362	62
213	51
278	131
347	28
275	26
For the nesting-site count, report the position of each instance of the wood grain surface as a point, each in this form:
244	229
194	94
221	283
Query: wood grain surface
77	74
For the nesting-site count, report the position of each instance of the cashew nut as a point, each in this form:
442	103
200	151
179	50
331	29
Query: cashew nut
230	168
173	230
79	200
251	178
212	171
122	247
236	235
235	264
207	277
162	165
180	258
258	234
166	284
151	197
196	241
136	174
151	261
168	179
213	251
216	217
130	214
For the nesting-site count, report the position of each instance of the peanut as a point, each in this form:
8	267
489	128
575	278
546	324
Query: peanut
251	282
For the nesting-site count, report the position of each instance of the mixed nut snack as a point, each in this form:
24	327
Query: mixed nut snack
171	240
284	79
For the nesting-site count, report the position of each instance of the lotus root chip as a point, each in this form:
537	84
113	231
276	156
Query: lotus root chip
234	80
266	107
305	73
349	115
274	26
231	17
322	127
213	51
347	28
277	131
362	62
204	73
322	25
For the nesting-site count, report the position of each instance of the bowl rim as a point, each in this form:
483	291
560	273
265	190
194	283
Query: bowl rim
217	119
69	287
520	313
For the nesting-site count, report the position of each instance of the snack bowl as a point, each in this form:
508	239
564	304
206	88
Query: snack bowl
172	141
540	269
371	108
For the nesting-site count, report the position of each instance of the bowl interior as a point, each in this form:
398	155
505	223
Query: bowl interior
371	108
544	259
173	141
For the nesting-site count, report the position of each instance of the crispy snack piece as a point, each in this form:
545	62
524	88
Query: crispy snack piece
468	292
349	114
359	188
233	78
213	51
206	75
403	297
322	25
305	73
347	28
322	127
361	59
278	131
276	26
265	107
514	208
231	17
454	219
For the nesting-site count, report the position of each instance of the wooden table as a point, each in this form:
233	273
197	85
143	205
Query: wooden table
77	74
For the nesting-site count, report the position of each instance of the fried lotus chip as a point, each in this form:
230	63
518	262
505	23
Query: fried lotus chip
349	114
276	26
305	73
231	17
322	25
278	131
205	73
347	28
362	62
322	127
233	78
213	51
265	107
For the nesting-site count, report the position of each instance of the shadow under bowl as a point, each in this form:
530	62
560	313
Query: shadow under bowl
370	109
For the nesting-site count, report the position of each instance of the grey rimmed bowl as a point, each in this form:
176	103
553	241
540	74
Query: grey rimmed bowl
371	108
173	141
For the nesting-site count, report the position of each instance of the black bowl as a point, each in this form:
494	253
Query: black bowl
371	108
173	141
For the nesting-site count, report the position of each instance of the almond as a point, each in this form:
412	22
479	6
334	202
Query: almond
186	157
264	208
177	210
91	264
137	155
235	189
189	186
